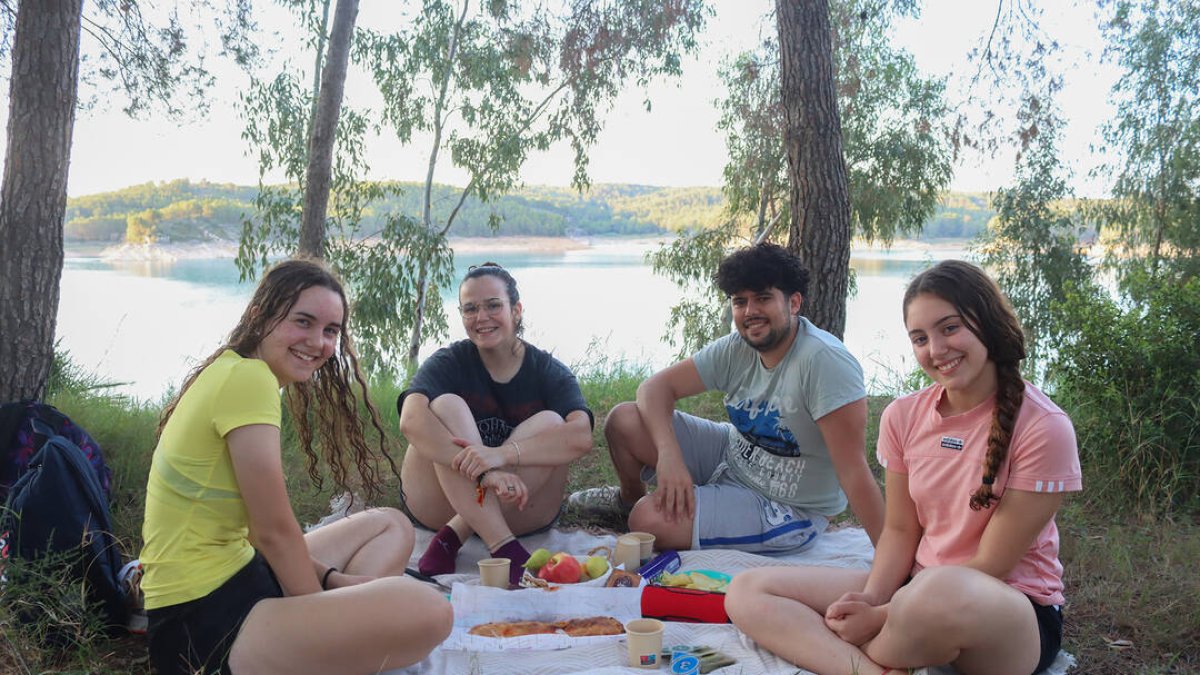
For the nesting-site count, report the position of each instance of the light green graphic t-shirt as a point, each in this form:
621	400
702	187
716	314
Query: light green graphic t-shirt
775	445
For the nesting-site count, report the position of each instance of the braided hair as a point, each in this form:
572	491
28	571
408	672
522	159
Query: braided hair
334	419
987	313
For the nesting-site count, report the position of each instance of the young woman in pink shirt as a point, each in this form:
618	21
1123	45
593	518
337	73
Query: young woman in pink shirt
966	571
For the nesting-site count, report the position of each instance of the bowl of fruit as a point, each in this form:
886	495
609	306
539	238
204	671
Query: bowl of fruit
545	569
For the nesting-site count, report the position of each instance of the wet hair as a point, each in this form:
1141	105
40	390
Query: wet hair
987	313
325	406
491	269
760	267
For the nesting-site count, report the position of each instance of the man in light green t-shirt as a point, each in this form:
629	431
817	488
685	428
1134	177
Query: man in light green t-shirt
792	453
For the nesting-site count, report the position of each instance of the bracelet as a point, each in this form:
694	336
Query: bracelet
479	478
518	449
325	579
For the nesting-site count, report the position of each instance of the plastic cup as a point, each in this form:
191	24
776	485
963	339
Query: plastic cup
628	552
645	638
494	572
646	541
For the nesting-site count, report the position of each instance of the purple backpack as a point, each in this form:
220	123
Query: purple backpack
19	442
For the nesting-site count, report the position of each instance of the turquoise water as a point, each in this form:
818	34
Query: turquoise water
143	325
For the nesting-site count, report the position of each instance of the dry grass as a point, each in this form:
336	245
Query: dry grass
1133	594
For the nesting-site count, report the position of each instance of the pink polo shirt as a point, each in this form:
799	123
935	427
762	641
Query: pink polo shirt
943	457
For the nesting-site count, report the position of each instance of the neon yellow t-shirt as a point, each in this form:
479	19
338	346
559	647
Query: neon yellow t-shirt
196	530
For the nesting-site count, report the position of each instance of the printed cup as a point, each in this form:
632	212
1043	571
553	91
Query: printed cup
645	638
494	572
628	552
646	541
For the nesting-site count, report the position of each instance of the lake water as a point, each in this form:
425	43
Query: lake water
144	324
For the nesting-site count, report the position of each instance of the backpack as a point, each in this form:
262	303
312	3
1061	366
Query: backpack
58	507
19	442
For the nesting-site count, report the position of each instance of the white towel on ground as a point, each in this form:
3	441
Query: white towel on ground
848	547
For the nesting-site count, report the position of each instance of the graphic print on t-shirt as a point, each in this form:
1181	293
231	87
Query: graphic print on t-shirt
763	428
493	431
765	450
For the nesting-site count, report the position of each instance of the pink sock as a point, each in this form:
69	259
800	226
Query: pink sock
515	552
443	549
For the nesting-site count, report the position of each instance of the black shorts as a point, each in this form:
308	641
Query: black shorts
197	636
1050	626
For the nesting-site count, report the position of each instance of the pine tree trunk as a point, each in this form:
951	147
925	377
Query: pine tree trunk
324	130
820	199
33	196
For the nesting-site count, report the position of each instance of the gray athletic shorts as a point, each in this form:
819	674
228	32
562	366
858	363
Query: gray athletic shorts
729	514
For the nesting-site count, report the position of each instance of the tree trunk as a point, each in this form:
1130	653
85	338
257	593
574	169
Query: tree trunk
439	124
33	197
820	199
324	130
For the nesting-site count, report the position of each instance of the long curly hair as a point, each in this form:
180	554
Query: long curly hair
987	313
324	408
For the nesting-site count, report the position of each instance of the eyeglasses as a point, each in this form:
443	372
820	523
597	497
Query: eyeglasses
491	308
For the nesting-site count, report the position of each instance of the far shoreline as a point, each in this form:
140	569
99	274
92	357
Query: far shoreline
460	245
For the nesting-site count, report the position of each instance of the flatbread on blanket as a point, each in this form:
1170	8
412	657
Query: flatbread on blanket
506	629
593	625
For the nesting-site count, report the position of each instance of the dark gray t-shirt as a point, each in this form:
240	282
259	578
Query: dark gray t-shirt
542	383
776	446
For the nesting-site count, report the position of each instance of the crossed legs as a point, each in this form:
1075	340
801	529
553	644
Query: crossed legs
631	450
438	495
387	623
945	615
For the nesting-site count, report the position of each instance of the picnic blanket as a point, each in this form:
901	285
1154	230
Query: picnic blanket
848	547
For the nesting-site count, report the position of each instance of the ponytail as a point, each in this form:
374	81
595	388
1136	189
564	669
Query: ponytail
1010	393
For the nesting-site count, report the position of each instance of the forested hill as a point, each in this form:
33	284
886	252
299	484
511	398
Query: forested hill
182	211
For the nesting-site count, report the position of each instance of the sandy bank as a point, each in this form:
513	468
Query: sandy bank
228	249
474	246
171	252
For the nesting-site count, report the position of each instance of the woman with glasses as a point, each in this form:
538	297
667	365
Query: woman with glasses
492	423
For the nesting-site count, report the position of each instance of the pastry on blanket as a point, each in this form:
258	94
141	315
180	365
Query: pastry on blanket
593	625
506	629
623	579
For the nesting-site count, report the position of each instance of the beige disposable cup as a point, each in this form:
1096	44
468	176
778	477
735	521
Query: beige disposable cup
646	540
494	572
645	638
628	552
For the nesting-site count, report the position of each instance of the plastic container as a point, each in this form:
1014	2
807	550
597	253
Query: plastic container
667	561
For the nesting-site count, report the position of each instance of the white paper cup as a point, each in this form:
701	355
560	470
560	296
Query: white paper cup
646	540
494	572
645	638
628	552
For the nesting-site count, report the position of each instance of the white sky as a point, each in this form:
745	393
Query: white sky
675	144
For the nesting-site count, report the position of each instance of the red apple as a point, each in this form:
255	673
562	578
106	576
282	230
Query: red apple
562	568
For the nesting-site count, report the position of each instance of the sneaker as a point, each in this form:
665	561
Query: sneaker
130	577
600	503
